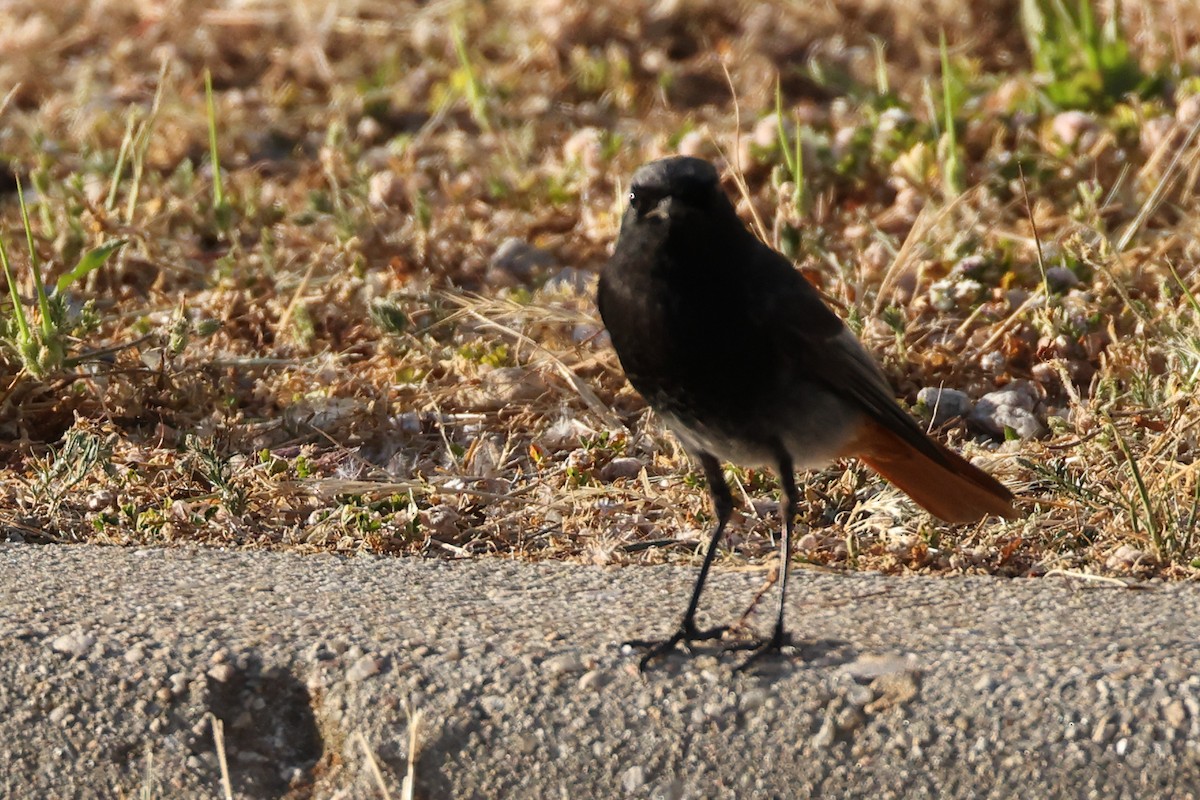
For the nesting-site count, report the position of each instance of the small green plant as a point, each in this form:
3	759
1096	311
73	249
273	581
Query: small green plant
483	353
388	316
42	349
357	515
216	471
65	467
1085	65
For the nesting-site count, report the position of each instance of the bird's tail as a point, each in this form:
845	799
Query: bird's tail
950	487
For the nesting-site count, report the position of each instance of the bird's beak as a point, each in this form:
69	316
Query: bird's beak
660	211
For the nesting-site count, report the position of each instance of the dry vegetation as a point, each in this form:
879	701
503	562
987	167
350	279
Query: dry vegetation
329	341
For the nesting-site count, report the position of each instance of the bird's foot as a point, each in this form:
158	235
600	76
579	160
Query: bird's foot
687	633
761	648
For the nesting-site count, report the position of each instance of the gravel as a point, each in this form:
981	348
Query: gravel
117	662
1009	409
945	404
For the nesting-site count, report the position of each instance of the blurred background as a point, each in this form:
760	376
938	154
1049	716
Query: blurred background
319	275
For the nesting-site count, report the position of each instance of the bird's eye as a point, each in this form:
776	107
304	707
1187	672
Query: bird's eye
643	201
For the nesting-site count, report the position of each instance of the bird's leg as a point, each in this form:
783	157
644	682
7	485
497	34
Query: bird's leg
688	632
779	638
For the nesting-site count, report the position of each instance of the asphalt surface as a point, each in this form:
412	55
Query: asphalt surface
115	663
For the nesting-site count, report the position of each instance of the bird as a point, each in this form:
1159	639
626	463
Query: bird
744	362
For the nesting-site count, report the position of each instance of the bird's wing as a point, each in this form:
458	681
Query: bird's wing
816	345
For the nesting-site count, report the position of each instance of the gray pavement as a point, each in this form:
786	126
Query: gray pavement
116	661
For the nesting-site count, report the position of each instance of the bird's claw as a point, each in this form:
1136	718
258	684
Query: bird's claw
685	636
760	648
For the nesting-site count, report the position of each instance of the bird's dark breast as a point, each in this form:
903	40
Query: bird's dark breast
684	350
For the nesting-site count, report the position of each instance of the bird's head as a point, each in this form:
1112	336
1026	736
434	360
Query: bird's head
676	191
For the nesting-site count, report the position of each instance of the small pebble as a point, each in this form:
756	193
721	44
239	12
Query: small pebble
1188	110
564	434
1075	129
504	386
827	734
368	129
100	499
766	131
945	404
1157	132
1127	557
1174	714
624	467
891	690
1008	408
633	779
74	644
858	695
222	673
588	333
809	541
515	261
850	719
1061	279
592	680
179	683
386	189
567	662
493	704
694	143
752	699
364	668
868	667
1104	730
986	684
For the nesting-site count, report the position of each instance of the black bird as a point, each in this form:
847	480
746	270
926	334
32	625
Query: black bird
742	359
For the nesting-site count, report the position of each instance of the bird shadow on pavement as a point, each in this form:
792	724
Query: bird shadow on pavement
810	654
803	654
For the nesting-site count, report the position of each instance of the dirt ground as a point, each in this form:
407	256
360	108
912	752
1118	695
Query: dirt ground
353	305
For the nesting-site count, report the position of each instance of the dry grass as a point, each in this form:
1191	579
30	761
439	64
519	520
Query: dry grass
326	355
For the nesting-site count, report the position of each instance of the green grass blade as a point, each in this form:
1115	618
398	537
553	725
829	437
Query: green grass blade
792	155
473	88
1156	538
24	336
35	267
218	186
91	261
1188	293
952	167
119	168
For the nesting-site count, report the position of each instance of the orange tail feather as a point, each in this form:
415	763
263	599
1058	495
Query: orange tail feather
953	490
